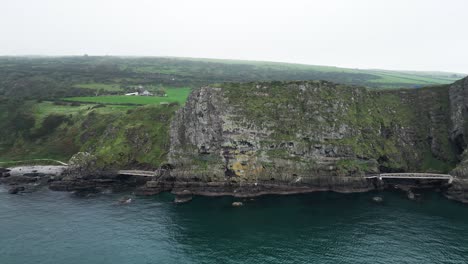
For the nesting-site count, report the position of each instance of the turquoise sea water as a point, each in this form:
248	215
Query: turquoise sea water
55	227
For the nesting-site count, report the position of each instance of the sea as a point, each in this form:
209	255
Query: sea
323	227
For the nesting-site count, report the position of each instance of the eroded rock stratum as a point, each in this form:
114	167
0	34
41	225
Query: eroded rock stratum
316	133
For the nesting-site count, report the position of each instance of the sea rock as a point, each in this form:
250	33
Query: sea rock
13	180
154	187
183	197
237	204
16	189
411	195
459	190
377	199
125	200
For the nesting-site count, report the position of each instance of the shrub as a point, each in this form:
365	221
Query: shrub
50	123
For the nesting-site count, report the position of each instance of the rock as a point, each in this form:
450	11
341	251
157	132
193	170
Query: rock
16	189
34	174
13	180
377	199
179	200
183	197
459	190
154	187
83	164
237	204
4	170
411	195
125	200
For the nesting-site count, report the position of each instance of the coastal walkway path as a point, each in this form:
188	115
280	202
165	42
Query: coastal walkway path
31	162
138	173
415	176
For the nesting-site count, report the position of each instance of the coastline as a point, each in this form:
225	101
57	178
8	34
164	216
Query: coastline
30	178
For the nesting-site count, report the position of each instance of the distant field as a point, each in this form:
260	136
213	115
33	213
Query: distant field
99	86
220	67
178	95
413	77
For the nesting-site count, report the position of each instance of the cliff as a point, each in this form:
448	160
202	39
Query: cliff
315	133
458	117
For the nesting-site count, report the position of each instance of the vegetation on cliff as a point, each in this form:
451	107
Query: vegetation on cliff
119	136
282	129
300	131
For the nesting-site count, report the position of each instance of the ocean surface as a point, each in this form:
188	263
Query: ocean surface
56	227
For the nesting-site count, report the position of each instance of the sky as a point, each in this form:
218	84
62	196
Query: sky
428	35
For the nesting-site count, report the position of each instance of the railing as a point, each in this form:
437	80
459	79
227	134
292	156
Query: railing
137	173
426	176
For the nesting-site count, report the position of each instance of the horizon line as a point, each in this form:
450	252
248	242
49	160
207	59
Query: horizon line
228	59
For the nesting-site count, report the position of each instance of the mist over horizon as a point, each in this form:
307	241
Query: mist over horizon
364	34
223	59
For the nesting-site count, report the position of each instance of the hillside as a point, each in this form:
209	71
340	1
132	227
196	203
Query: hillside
57	77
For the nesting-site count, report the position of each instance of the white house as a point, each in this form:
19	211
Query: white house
146	93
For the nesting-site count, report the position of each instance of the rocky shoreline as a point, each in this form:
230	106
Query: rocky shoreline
57	178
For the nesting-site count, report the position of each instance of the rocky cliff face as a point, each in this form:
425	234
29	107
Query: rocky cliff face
314	133
458	118
458	113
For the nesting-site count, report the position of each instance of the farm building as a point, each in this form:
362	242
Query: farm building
144	93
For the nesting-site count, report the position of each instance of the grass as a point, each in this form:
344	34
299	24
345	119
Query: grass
99	86
411	78
178	95
384	76
42	110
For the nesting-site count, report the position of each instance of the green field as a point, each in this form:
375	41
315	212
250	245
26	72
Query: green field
178	95
383	77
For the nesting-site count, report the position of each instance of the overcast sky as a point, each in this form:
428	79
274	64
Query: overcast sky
388	34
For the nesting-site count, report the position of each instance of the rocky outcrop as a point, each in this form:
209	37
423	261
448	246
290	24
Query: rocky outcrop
183	186
4	172
16	189
294	136
459	190
29	178
97	183
183	197
83	164
85	175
